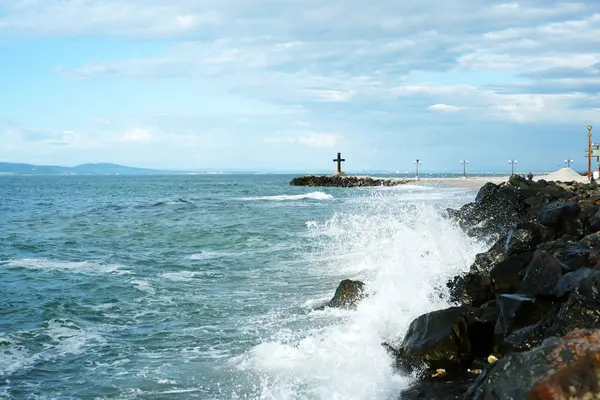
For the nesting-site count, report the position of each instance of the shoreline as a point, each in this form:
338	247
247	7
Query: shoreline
563	175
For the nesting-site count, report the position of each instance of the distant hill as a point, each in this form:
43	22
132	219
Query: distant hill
83	169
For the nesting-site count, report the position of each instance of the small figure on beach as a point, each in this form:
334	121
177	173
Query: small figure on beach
530	176
523	175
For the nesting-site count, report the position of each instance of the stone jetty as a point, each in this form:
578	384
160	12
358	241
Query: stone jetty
525	318
342	180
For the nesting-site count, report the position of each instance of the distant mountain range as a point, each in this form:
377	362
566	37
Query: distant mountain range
83	169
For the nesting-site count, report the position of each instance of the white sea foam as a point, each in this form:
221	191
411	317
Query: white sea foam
404	252
284	197
181	276
143	286
69	338
68	266
208	255
13	356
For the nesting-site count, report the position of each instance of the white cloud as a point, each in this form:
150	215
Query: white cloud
292	72
314	139
138	135
445	107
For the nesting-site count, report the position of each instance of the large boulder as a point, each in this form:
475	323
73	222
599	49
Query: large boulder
516	312
347	295
562	218
567	368
582	309
542	276
507	275
439	339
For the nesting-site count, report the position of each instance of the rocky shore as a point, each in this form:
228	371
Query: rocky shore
345	181
525	323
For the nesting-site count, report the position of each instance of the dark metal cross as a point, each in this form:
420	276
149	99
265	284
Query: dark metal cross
339	161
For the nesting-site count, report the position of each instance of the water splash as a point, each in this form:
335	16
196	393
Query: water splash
288	197
404	251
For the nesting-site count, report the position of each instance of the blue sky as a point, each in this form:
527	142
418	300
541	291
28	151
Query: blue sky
286	84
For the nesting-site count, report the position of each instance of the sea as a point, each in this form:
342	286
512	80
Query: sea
207	286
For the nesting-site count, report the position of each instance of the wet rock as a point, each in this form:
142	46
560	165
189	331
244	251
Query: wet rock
439	389
574	371
344	181
542	276
514	375
575	257
485	261
472	289
590	217
347	294
517	312
481	324
562	217
558	369
507	275
582	309
570	281
436	340
496	212
533	335
486	192
525	237
591	241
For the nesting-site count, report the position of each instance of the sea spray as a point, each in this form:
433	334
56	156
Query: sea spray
404	250
107	297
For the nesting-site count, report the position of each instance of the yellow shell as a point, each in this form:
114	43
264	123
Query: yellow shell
439	372
492	359
475	371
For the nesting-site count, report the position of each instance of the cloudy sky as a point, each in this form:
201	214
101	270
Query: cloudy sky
286	84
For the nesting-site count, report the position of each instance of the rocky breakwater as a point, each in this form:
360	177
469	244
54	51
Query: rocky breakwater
345	181
526	318
525	323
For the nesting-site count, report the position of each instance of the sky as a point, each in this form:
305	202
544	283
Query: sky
286	84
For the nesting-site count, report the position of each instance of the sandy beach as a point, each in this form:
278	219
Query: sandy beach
475	182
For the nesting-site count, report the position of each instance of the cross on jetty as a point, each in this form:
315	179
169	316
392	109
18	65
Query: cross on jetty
339	161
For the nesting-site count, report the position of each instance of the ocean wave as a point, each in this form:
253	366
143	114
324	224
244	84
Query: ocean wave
208	255
85	267
284	197
404	252
182	202
181	276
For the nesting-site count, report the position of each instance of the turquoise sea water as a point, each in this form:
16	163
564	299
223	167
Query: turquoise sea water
180	287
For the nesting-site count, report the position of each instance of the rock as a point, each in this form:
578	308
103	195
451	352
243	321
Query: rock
507	275
486	192
542	276
533	335
439	389
592	241
495	213
582	309
538	282
567	368
517	312
344	181
512	376
562	217
574	257
481	324
525	237
472	289
436	340
570	281
574	371
347	294
590	217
